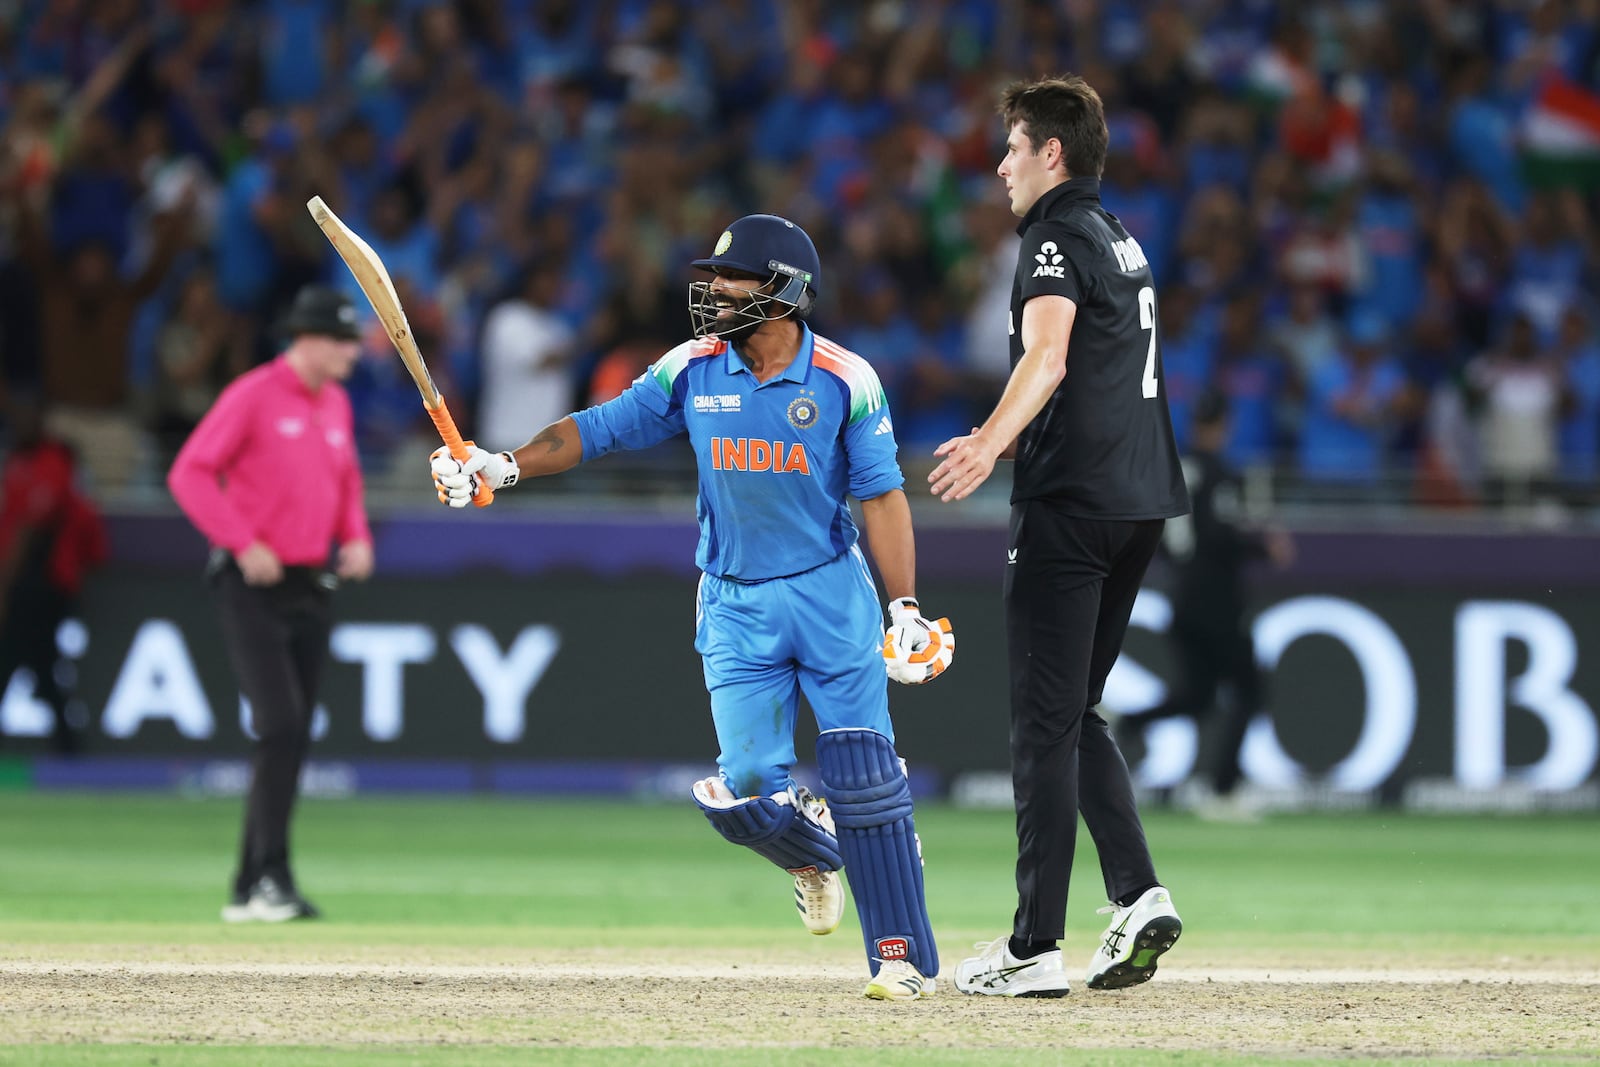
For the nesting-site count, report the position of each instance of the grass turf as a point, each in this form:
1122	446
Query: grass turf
485	867
513	875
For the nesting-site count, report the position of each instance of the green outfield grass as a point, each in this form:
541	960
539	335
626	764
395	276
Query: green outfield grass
82	867
505	879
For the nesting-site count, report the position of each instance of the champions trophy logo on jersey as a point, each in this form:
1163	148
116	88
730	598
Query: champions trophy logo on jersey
803	412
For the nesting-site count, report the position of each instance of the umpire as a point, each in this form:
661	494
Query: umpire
241	479
1211	642
1096	477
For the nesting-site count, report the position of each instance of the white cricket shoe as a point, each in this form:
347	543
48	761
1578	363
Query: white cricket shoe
995	972
1136	938
1230	808
899	980
819	896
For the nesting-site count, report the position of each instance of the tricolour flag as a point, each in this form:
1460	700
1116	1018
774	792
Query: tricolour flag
1561	137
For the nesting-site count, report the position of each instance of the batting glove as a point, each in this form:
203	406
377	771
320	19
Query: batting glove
456	483
916	650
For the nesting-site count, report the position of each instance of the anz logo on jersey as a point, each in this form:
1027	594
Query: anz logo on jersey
754	454
1049	257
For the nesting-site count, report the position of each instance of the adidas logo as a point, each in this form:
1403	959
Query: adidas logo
883	427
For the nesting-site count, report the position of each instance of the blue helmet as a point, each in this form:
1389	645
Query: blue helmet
765	246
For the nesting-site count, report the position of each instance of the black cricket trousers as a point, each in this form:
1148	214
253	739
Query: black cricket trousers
277	640
1212	651
1069	590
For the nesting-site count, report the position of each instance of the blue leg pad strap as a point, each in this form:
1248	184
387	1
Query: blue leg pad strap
870	797
774	828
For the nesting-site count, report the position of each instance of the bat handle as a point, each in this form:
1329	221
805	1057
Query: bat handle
458	448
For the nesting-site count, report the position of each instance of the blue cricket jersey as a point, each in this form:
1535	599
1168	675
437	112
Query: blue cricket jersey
776	459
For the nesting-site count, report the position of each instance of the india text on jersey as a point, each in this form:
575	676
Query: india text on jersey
754	454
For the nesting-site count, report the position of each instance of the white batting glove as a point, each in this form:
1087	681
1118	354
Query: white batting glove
916	650
456	483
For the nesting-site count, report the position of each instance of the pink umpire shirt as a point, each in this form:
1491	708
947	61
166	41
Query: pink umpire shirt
273	461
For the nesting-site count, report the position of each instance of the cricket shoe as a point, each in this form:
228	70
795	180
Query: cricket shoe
899	980
995	972
1229	808
819	897
237	909
1135	939
274	901
818	894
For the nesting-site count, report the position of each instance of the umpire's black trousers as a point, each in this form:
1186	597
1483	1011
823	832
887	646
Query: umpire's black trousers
1069	590
277	640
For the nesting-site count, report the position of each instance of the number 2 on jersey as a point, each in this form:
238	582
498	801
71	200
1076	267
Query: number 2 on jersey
1147	321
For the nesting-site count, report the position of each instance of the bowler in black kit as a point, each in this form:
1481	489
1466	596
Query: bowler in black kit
1084	416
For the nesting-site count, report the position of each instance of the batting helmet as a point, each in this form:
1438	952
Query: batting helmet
764	246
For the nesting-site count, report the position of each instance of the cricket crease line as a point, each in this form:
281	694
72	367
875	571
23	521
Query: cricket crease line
552	971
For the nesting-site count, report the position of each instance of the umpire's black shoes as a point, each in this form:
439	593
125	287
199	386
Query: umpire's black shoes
271	900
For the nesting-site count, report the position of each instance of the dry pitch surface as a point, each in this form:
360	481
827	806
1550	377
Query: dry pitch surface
605	998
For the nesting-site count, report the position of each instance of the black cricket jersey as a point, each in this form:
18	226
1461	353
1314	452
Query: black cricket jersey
1102	446
1211	550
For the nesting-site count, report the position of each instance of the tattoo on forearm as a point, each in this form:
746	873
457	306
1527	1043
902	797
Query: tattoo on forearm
550	437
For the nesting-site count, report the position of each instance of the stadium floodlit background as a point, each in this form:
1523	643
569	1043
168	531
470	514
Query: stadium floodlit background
1374	225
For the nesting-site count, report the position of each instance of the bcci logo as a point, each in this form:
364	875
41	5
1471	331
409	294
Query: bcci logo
724	243
802	412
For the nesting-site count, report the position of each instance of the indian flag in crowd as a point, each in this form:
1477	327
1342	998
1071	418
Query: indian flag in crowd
1561	137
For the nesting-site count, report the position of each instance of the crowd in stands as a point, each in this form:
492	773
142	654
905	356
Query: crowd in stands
1373	222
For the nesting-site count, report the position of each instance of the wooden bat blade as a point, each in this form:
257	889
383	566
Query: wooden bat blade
373	277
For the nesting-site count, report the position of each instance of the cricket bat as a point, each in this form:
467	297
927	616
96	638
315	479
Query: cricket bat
374	280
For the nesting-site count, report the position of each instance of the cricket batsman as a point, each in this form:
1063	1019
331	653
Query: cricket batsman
785	426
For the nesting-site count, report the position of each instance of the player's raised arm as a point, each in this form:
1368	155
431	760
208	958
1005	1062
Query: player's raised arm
556	448
645	414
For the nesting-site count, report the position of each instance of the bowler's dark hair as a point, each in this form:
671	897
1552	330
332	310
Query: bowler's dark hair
1067	109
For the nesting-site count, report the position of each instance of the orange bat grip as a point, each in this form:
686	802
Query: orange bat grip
458	448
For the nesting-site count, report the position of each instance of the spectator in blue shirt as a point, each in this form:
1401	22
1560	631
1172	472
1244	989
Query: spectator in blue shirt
1391	230
1188	352
1252	378
1579	349
1351	407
